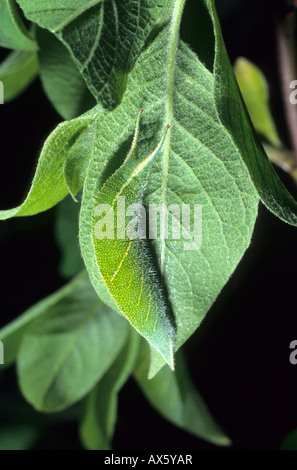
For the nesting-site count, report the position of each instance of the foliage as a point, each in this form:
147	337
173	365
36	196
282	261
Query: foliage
100	62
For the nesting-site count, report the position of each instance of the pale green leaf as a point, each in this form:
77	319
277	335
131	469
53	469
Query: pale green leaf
64	354
255	92
49	186
17	72
13	33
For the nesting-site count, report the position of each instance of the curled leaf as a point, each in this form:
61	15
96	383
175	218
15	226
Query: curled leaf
125	261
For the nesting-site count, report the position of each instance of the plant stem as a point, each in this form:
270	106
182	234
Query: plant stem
285	39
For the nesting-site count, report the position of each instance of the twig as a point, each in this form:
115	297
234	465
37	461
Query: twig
285	39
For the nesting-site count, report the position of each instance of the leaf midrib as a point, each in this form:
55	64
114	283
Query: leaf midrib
173	43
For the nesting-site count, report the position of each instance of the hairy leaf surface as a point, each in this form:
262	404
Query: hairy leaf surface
103	37
198	164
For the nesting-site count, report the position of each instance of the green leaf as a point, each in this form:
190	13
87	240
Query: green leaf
17	72
174	396
13	33
61	80
255	92
98	423
18	436
66	352
49	186
234	117
78	157
127	264
11	335
199	164
66	229
103	37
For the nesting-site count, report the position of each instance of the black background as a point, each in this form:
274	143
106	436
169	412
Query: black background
239	358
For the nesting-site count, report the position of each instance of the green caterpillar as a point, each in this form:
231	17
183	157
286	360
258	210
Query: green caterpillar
125	263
